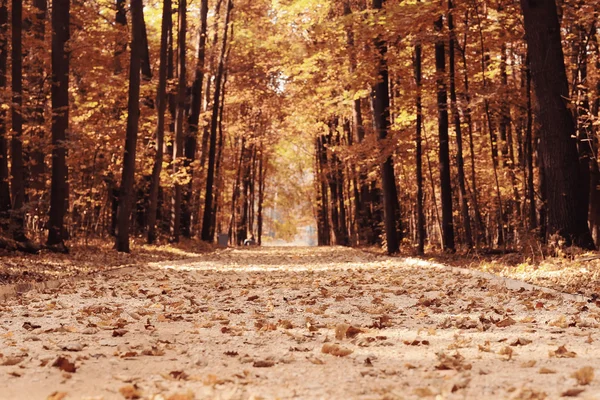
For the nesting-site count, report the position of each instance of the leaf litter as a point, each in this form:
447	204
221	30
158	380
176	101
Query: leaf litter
295	322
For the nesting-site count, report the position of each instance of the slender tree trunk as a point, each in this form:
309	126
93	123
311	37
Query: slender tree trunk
419	152
380	99
191	138
38	168
460	163
567	204
160	128
531	210
16	144
261	194
210	178
60	122
444	151
178	170
128	175
5	203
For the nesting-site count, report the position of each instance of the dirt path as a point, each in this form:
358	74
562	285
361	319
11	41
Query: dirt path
327	323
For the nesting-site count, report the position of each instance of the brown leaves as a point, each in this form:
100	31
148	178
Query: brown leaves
562	352
343	331
130	392
263	364
584	376
506	322
454	362
64	364
57	396
335	350
521	342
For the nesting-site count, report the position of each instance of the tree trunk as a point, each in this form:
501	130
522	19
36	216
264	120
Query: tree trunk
193	120
5	203
60	122
210	178
16	144
380	99
531	210
38	168
128	175
420	231
178	166
567	204
444	150
460	163
160	129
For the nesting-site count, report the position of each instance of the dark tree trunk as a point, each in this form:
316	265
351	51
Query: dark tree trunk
193	120
178	164
210	178
444	151
323	227
160	129
60	121
531	210
145	62
420	231
380	99
38	167
460	163
261	194
5	204
128	175
567	203
16	143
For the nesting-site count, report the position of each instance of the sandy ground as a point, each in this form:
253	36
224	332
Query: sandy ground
305	323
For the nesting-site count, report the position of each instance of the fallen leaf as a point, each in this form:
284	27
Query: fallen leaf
335	350
130	392
57	396
506	322
574	392
546	371
263	364
182	396
424	392
562	352
584	375
64	364
8	361
521	342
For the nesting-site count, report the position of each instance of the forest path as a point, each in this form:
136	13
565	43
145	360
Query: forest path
305	323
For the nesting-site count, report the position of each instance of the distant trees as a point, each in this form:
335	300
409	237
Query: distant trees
432	124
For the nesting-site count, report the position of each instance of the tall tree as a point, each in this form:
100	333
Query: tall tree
37	92
178	169
160	126
419	150
5	203
207	219
566	200
191	139
444	150
60	122
16	143
460	162
128	175
380	99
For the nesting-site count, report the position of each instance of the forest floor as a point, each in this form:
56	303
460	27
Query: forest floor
306	323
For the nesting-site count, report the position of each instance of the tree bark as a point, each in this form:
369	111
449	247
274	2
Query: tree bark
380	100
567	204
128	175
420	231
191	138
210	178
160	129
178	164
16	143
444	149
60	121
5	203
